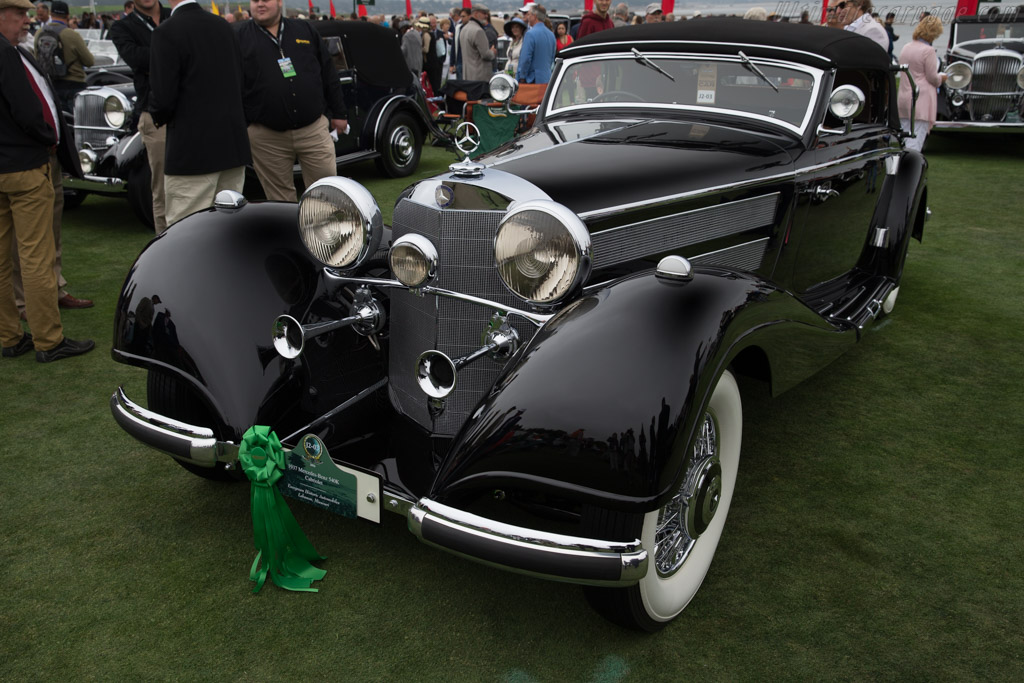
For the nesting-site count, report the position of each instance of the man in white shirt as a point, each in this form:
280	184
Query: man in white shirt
858	13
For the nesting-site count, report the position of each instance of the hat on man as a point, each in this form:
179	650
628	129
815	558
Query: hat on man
527	7
59	7
477	7
423	22
17	4
654	8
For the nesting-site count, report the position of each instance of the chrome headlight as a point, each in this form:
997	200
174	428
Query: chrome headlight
114	112
87	160
1020	79
542	251
413	260
339	222
958	75
846	102
503	87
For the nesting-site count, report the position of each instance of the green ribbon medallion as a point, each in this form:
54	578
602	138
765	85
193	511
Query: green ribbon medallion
284	550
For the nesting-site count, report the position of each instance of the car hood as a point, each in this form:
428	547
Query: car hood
595	164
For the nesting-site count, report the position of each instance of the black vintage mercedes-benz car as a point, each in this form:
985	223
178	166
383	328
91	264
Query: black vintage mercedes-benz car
388	117
536	363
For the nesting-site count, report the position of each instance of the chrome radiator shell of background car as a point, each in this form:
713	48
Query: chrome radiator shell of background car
993	89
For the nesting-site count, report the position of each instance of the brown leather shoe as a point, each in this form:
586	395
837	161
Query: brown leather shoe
68	301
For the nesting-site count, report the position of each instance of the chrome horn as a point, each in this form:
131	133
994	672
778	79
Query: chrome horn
290	335
436	373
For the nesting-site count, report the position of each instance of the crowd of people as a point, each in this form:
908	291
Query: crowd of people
278	99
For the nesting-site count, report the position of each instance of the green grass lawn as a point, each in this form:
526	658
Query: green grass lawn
875	532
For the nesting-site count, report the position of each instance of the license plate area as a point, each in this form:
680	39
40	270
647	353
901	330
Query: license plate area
312	477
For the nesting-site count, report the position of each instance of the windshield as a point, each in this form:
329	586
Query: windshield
760	88
988	31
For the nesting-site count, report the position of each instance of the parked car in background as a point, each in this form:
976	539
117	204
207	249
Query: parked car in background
536	364
388	116
984	65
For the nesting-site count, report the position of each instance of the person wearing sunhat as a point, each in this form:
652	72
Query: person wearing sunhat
654	13
515	28
29	130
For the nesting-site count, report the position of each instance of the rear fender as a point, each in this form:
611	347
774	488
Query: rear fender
199	304
601	406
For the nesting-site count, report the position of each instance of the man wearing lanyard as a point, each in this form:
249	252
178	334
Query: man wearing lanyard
132	36
195	89
291	91
29	132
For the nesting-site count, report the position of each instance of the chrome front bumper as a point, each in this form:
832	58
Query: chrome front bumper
526	551
95	183
979	126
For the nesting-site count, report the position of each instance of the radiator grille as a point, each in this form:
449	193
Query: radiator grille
993	74
88	115
465	247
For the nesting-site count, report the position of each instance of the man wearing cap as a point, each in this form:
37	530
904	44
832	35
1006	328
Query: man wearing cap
538	53
292	99
654	14
76	55
195	78
133	36
30	129
477	54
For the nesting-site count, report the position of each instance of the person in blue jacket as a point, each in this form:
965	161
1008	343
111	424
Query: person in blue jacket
538	53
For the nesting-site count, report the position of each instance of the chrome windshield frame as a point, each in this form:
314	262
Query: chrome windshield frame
816	74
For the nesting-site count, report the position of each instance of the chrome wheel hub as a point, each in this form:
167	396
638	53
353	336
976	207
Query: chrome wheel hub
688	514
402	145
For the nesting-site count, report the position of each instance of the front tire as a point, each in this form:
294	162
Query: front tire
170	397
682	536
400	147
140	194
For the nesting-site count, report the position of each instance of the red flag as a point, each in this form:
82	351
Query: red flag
824	12
467	4
408	8
667	6
361	10
588	5
311	8
966	7
332	9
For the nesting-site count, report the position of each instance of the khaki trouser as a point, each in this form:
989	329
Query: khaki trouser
57	179
155	140
274	153
186	194
26	211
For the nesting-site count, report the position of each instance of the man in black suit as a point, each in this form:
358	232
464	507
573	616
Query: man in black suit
195	77
30	128
133	36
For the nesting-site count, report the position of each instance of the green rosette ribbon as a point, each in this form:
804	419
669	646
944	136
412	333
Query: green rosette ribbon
283	551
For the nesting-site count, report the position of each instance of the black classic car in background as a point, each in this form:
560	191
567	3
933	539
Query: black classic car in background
388	117
984	65
537	360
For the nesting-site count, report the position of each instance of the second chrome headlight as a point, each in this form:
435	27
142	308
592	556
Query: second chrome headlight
339	222
542	251
958	75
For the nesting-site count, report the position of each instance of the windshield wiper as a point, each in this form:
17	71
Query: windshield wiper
640	57
753	67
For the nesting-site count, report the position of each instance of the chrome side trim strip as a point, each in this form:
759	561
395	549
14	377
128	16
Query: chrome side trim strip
635	240
743	185
528	551
747	256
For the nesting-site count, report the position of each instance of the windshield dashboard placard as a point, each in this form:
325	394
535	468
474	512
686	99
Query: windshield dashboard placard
707	82
312	477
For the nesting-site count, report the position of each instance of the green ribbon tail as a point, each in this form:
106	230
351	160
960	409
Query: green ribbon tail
283	551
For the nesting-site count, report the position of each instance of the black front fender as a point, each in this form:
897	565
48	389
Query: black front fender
199	304
601	406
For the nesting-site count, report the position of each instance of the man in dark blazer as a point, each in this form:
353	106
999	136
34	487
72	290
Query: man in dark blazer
195	78
29	127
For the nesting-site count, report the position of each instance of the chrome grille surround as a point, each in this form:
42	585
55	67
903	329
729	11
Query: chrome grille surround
465	245
91	129
993	89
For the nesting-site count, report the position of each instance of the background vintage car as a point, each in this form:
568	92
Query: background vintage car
985	68
538	359
388	117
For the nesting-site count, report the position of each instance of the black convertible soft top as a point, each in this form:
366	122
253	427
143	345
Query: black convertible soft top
805	43
374	51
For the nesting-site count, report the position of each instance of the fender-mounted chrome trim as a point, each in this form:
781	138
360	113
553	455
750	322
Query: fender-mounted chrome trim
541	554
182	441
